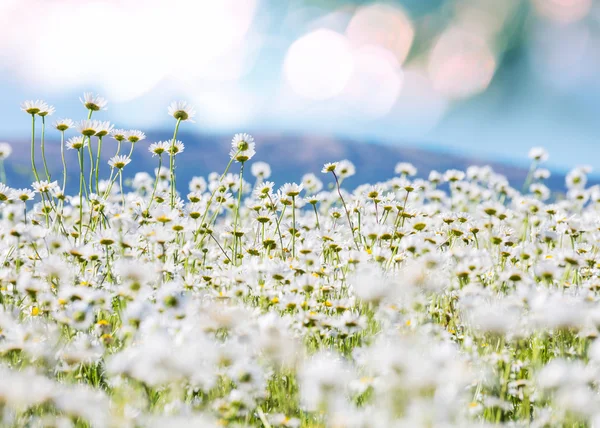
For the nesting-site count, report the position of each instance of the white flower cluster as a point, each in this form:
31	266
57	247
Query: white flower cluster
452	301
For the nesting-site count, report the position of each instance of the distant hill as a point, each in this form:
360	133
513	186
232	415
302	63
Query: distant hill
289	156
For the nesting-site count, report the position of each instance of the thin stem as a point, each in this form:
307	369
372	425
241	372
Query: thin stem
43	148
172	163
155	182
237	212
112	169
98	162
64	163
316	215
293	226
81	185
91	180
121	188
345	208
35	173
91	154
2	171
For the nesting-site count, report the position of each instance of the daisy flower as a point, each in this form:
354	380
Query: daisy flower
134	136
181	110
47	111
34	107
291	189
103	128
538	154
44	186
119	162
76	143
23	195
88	127
329	167
159	148
242	147
5	150
119	134
93	102
63	124
5	192
176	148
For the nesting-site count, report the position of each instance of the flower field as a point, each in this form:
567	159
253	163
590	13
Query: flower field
452	301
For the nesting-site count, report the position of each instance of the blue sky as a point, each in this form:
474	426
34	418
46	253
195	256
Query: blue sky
262	66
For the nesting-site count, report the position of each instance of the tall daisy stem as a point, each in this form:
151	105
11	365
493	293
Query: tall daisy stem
81	186
98	163
35	173
43	148
155	182
237	214
172	163
64	163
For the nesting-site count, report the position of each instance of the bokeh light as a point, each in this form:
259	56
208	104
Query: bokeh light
563	11
319	64
374	84
461	63
382	25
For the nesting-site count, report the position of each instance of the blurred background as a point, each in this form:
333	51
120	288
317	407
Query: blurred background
437	82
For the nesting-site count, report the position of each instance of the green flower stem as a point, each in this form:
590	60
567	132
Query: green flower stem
91	155
64	163
345	208
35	173
81	187
155	182
43	148
293	226
2	171
98	163
172	163
237	213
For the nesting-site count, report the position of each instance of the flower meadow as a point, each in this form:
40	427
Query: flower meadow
452	301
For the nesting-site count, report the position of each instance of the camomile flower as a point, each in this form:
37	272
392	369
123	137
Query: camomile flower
242	147
5	150
453	175
93	102
329	167
345	169
87	127
63	124
181	110
291	189
159	148
133	136
23	195
538	154
76	143
405	168
34	107
47	111
103	128
5	192
261	169
176	148
119	134
119	162
44	186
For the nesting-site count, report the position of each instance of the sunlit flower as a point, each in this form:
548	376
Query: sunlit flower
76	143
93	102
5	150
34	107
63	124
119	162
181	110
